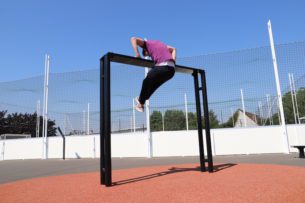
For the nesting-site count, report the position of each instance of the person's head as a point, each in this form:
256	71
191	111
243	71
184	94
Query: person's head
144	50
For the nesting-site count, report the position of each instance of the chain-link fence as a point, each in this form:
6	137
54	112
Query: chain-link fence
241	91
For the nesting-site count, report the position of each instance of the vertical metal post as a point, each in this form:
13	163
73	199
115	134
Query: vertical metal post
186	112
199	122
279	113
45	107
292	98
233	122
269	109
63	144
131	125
65	124
243	104
84	122
147	111
207	121
107	117
260	108
162	114
295	98
38	119
278	89
102	122
133	116
88	120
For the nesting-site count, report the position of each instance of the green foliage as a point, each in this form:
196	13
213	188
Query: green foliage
175	120
301	101
18	123
192	118
156	121
229	123
288	107
214	122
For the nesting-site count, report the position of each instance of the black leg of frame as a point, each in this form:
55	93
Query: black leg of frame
102	122
199	122
207	121
107	105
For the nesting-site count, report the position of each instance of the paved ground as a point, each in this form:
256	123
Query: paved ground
25	169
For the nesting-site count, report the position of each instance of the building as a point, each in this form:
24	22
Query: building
250	119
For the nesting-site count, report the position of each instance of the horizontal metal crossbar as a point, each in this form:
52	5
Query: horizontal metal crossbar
130	60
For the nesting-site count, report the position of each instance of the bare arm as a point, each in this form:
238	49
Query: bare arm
173	51
135	42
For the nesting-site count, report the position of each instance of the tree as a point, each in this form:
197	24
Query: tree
288	107
156	121
18	123
214	122
192	119
174	120
2	121
229	123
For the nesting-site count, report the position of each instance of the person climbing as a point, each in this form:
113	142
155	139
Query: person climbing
164	58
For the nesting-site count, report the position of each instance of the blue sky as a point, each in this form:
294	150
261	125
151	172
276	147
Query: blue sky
76	33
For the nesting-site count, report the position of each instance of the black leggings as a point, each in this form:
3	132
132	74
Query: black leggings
154	79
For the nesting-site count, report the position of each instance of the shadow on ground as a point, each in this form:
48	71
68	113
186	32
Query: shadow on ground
170	171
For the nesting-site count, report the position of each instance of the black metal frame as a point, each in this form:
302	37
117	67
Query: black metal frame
63	144
105	107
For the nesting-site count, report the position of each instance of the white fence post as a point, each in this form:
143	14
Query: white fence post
292	97
133	115
278	89
296	99
186	112
38	118
88	120
45	106
162	113
244	109
148	120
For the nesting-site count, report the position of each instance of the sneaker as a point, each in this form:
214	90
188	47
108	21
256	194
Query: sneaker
139	107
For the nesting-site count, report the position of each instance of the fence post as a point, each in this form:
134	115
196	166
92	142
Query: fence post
88	120
149	154
186	112
38	118
279	94
292	98
45	107
244	109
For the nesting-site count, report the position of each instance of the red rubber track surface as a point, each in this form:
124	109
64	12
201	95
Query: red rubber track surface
176	183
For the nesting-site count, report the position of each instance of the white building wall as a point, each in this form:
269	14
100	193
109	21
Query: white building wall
175	143
296	134
129	145
23	148
2	147
55	148
254	140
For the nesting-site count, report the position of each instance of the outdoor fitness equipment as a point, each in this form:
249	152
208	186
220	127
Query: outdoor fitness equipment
105	109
